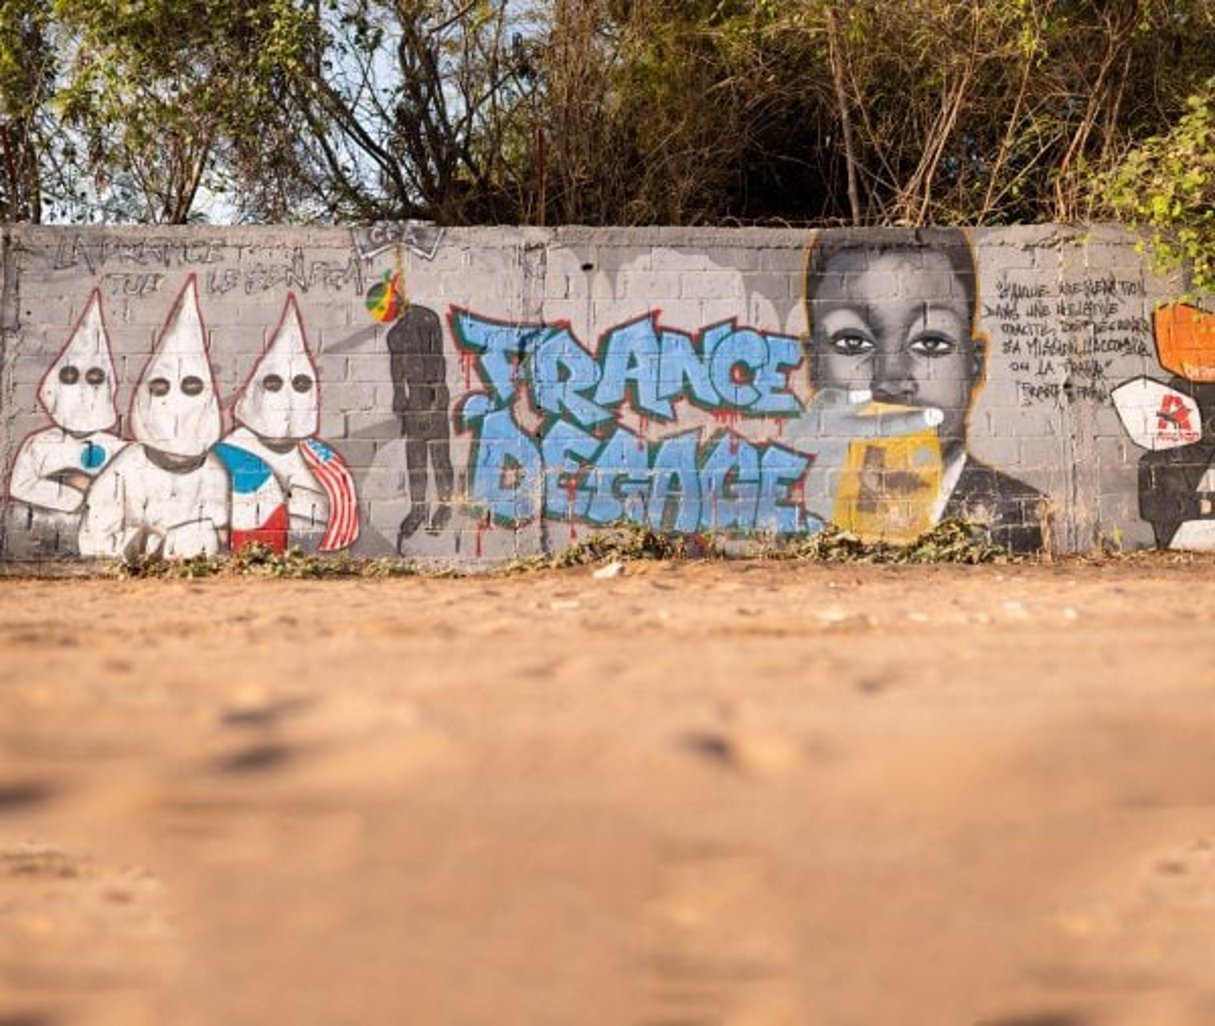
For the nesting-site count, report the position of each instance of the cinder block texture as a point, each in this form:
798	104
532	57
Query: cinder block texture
478	394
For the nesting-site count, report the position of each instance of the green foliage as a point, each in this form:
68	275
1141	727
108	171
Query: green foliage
960	111
610	111
628	541
1168	184
28	68
258	560
27	65
951	541
168	97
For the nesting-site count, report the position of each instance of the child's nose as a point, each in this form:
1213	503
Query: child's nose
893	380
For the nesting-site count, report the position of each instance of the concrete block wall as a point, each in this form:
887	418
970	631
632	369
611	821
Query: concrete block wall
483	393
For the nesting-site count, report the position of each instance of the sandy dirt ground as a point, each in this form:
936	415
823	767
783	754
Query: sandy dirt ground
743	794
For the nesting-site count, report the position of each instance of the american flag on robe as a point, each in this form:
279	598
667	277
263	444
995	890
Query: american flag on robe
334	477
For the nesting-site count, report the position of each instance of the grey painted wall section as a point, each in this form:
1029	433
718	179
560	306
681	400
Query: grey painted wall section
477	394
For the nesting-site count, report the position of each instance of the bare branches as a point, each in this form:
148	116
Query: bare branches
587	111
841	99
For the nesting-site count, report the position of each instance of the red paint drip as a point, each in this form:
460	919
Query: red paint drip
730	419
797	492
727	418
467	361
643	427
571	493
780	427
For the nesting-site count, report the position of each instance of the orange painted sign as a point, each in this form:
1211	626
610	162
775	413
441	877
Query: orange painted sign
1185	341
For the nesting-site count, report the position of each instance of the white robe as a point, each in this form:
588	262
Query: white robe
54	467
307	502
136	507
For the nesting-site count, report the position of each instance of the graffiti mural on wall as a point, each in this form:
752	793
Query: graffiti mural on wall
287	485
165	493
56	465
172	488
584	465
142	266
895	361
751	387
1175	421
421	401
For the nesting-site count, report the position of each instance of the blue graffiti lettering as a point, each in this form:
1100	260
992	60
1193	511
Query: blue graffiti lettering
622	479
729	482
562	370
506	464
676	477
564	495
632	353
780	470
682	371
572	468
501	348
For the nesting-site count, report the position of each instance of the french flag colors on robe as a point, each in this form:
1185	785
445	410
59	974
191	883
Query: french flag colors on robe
259	508
334	477
259	513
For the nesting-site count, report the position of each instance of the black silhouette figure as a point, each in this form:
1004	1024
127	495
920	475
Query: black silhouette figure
421	399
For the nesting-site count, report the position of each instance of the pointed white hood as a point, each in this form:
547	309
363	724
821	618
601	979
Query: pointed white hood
78	390
280	398
175	408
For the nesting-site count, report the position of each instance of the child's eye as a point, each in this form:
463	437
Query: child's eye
852	345
932	345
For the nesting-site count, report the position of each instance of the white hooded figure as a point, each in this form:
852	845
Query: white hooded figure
55	466
287	484
167	494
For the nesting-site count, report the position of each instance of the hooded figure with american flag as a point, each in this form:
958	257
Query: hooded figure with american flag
288	485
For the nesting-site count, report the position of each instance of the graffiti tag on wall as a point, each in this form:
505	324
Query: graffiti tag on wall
1063	339
583	465
455	418
142	267
880	449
